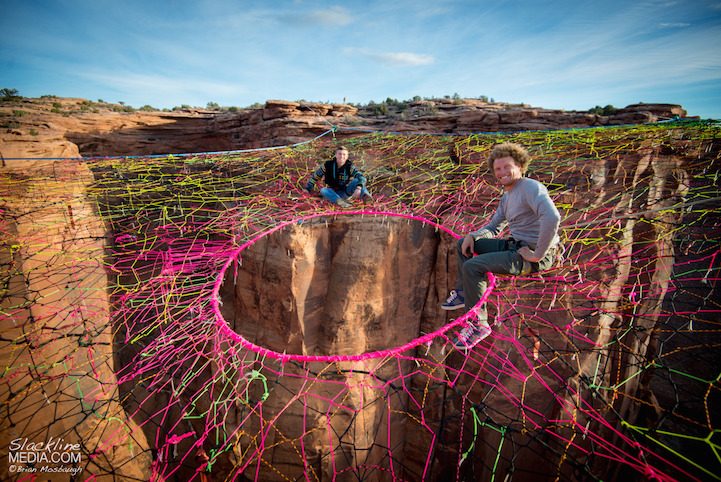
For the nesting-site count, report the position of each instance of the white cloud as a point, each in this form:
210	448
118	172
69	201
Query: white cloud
335	16
660	3
134	86
433	11
330	17
400	59
674	25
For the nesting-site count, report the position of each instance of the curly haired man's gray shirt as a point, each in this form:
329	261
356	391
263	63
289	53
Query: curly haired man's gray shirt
530	214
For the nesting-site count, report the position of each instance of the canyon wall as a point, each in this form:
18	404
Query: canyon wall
102	260
34	128
59	375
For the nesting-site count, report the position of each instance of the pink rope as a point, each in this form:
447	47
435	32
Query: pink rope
285	357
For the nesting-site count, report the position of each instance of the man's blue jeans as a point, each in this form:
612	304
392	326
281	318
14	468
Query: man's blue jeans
333	195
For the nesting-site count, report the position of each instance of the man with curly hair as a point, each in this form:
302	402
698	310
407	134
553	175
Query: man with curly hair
533	222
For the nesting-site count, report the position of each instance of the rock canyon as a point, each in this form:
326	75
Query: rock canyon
185	318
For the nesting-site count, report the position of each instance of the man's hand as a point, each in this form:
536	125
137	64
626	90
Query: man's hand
528	255
357	193
467	246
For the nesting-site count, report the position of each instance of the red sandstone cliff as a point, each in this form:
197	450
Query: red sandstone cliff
50	203
70	128
58	378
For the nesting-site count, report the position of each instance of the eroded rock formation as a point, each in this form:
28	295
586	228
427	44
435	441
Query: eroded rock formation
342	285
59	377
34	128
339	285
350	286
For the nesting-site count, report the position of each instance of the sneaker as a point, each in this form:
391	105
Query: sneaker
454	301
343	203
471	335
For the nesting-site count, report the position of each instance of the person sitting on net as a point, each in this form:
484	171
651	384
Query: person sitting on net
343	181
533	221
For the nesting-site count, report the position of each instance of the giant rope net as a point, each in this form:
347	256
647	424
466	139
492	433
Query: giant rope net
121	329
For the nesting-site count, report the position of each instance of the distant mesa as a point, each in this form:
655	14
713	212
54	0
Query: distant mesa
51	126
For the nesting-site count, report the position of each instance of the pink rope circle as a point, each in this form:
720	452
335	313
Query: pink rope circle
225	329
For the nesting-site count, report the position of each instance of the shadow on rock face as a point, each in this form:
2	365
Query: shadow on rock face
334	285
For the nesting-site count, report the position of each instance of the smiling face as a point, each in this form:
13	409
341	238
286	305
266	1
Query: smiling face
507	171
341	155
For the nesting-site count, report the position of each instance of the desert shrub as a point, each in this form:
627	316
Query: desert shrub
122	107
607	110
9	94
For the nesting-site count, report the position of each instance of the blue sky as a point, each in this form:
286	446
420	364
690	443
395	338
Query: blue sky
551	53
